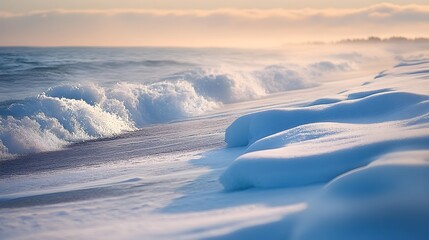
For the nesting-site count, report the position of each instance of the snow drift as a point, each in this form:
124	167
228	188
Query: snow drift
390	193
342	135
376	108
367	146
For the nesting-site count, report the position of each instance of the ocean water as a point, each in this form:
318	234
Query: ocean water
26	72
51	97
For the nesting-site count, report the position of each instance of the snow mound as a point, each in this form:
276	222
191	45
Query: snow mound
319	152
388	199
379	107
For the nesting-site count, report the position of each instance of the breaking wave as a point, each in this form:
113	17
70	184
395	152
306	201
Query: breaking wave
72	113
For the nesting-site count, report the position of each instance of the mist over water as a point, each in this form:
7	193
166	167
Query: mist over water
51	97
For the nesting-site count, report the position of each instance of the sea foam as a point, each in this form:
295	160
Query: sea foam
77	112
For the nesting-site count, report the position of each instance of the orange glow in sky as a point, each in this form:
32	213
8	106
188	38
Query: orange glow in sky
139	23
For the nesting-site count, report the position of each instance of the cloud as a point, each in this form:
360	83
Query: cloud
219	27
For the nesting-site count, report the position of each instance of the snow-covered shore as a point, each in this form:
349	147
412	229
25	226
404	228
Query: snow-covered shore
368	145
348	159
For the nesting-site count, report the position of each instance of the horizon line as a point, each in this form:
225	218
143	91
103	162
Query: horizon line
368	39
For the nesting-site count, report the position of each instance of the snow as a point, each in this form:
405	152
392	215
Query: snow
386	199
374	108
279	154
369	148
343	159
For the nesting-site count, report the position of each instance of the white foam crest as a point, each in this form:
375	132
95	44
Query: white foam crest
21	136
157	102
49	123
68	114
228	86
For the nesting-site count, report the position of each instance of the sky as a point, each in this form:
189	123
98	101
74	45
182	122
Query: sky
209	23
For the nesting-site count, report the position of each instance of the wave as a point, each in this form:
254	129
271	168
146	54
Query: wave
72	113
22	69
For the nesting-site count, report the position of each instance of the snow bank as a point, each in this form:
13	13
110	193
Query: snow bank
315	144
388	199
319	152
374	108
